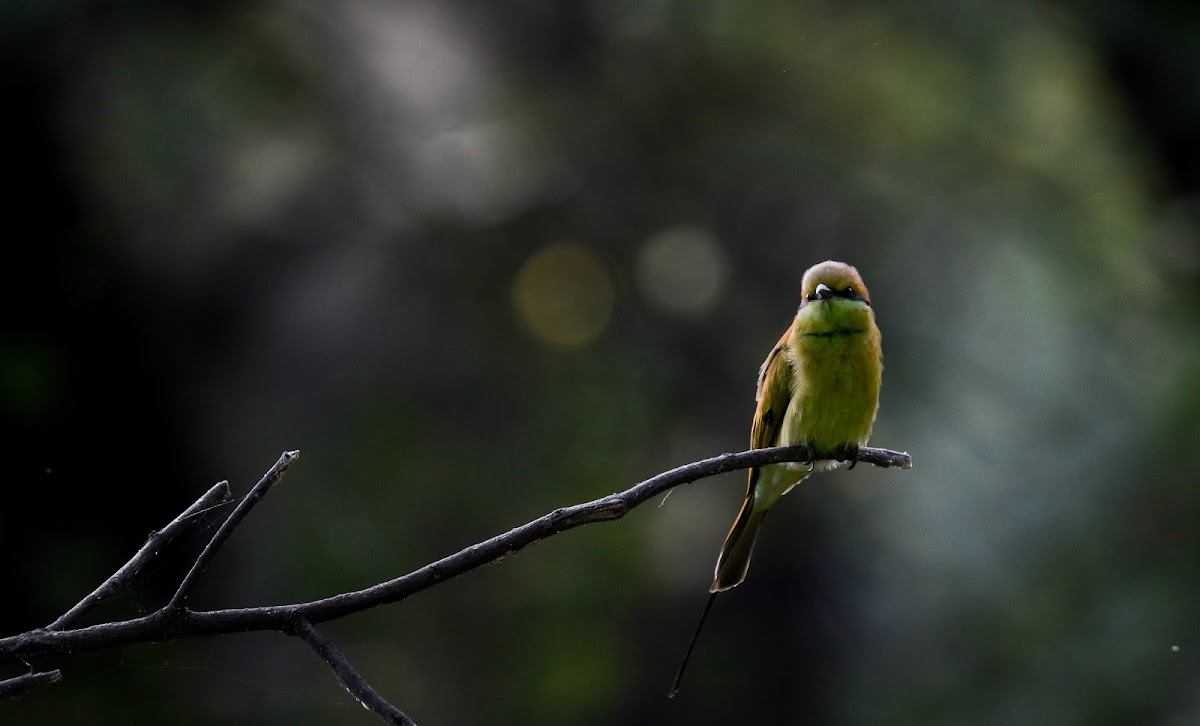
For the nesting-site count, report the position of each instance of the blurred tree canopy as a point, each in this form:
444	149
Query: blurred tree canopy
478	260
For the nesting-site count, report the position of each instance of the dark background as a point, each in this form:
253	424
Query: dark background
480	260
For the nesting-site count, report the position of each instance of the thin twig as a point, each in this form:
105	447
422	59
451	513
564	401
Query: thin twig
166	625
273	476
16	687
157	540
349	676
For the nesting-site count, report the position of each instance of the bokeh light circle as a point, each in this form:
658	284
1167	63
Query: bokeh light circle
563	295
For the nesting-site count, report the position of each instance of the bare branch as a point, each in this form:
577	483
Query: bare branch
16	687
349	677
613	506
273	476
157	540
174	621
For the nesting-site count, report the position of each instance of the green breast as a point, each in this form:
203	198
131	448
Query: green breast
837	373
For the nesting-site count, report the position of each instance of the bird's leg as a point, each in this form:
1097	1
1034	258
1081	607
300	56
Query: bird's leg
852	451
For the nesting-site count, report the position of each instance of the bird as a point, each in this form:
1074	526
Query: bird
818	388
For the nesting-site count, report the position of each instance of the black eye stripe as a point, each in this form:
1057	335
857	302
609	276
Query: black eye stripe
848	293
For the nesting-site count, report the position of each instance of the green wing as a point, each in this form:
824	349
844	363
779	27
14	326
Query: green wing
774	393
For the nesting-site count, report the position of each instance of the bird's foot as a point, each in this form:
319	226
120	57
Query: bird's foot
810	454
852	456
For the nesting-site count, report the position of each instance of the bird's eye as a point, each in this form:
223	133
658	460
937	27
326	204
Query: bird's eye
810	297
850	292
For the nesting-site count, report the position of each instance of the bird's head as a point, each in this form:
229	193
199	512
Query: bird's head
834	296
831	280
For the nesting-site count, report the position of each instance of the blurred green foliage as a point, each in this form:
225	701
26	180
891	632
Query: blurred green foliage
477	261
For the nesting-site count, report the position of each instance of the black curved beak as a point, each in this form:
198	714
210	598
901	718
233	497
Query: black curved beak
825	292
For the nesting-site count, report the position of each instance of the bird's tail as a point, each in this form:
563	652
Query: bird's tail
735	553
